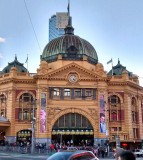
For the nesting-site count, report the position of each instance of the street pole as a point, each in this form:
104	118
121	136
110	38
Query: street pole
33	128
117	140
32	141
61	138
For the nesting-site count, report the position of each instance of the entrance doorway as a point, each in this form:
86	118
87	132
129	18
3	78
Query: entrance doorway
78	140
24	136
73	127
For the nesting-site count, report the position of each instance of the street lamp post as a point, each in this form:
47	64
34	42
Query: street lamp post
61	138
107	127
117	140
33	127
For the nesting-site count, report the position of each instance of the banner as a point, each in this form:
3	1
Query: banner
43	113
102	115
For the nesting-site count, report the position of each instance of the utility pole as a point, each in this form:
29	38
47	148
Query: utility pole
117	139
33	127
61	137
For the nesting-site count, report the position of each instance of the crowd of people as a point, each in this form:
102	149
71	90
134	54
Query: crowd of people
100	151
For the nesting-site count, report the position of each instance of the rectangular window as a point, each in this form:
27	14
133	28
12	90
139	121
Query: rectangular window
113	128
67	120
56	92
78	120
67	92
120	128
84	124
78	93
88	93
72	120
20	114
25	115
125	137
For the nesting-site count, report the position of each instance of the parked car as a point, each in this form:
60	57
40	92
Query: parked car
138	152
73	155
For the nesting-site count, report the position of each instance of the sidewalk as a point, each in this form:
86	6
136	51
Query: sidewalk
28	155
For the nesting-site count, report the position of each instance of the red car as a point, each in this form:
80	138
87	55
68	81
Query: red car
76	155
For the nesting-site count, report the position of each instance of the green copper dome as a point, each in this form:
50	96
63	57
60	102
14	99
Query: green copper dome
118	70
15	63
71	47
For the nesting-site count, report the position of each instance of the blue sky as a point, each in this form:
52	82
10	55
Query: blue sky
113	27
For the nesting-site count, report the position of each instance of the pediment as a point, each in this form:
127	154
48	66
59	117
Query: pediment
73	68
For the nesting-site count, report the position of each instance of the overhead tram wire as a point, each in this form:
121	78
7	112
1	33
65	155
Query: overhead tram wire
32	26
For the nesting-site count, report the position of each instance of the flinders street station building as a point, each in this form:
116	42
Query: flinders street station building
71	98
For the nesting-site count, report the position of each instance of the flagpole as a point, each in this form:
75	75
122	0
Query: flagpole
111	61
27	62
112	67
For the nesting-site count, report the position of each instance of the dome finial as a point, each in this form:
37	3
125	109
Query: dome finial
69	29
68	8
15	57
118	61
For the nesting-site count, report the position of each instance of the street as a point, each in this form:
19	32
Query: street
16	156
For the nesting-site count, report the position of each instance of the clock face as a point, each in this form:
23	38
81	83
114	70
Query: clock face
73	78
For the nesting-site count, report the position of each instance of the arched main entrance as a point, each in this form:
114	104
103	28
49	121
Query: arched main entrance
73	127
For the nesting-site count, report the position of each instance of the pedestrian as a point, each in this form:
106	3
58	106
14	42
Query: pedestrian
118	152
127	155
52	147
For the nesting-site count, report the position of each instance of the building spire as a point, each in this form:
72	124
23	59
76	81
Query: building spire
69	29
68	8
118	61
15	57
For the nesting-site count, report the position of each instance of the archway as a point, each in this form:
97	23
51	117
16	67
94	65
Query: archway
74	129
24	136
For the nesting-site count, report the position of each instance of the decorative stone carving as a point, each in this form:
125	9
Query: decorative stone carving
43	68
93	112
51	111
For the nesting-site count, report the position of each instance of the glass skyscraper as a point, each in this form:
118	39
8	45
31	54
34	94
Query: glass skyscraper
57	24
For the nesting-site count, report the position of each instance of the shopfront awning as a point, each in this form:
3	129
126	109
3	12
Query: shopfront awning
4	121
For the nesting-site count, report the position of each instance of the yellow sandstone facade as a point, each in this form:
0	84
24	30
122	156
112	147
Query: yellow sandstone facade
66	96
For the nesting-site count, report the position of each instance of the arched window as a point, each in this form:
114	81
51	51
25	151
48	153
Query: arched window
3	105
72	121
115	111
24	110
134	110
113	100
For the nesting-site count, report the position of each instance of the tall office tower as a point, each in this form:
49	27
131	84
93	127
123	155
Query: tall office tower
57	24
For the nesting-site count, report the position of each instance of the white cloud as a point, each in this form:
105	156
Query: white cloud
2	40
